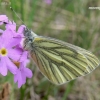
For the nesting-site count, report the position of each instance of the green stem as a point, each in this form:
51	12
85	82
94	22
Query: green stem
68	90
22	9
22	91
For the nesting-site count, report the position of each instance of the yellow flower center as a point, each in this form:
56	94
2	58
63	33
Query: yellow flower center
3	52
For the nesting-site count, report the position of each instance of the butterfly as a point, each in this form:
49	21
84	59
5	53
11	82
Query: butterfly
59	61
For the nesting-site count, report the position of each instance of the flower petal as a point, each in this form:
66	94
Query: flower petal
20	78
6	36
3	18
21	29
23	78
14	41
14	54
28	72
16	76
11	66
3	67
11	26
24	56
20	83
1	23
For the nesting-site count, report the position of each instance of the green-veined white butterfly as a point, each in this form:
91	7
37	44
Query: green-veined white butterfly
59	61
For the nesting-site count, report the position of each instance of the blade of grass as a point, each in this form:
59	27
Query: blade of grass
22	9
32	13
13	5
22	91
68	90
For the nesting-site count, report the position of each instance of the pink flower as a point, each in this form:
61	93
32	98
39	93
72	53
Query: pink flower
48	2
11	26
20	31
22	71
11	51
7	53
3	19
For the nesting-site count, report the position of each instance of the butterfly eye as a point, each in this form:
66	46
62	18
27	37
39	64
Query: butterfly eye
30	39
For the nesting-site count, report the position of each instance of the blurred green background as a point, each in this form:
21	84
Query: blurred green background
68	20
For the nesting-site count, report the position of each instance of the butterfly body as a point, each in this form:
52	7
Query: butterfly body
29	39
59	61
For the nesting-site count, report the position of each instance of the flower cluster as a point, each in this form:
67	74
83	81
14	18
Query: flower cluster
13	57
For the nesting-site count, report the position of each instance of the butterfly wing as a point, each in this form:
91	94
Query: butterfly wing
61	62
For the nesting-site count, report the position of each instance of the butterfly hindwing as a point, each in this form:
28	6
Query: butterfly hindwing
61	62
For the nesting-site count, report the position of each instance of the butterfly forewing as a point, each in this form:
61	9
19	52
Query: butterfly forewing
61	62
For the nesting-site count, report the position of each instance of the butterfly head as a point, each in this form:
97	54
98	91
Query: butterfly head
29	35
29	38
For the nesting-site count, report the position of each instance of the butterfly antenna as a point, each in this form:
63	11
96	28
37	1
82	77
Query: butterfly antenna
17	15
